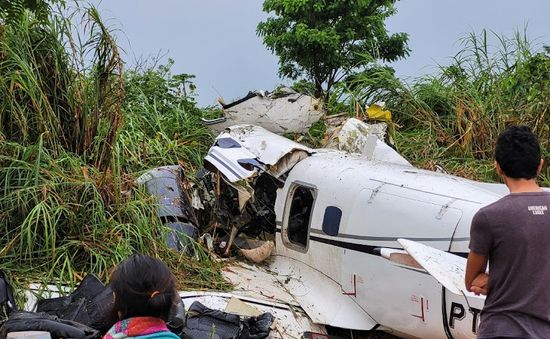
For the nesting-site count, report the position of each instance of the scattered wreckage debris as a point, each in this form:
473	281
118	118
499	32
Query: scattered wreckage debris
234	196
250	164
232	204
174	205
281	111
86	313
356	136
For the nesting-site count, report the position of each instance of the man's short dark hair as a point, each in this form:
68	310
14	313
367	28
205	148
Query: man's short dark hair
518	152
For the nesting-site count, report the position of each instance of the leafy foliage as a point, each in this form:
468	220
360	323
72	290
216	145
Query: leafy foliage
13	11
54	96
452	118
162	123
71	145
158	86
326	41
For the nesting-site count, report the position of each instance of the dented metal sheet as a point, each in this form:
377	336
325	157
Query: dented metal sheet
227	160
289	321
284	111
240	151
356	136
268	147
162	182
290	282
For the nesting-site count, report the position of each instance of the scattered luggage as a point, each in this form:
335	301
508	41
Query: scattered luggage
206	323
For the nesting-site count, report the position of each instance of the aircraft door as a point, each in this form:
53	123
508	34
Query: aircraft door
297	216
309	227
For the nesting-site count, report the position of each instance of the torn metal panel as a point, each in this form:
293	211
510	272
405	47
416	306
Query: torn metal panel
283	111
277	153
286	163
174	205
226	160
353	137
290	322
251	162
290	282
163	183
268	147
241	151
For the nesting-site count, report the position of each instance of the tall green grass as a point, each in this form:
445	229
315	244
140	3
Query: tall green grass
62	90
72	144
162	123
452	118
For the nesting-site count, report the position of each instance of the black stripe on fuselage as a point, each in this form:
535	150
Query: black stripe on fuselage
363	248
369	249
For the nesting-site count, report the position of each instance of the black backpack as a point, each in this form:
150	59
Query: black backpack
7	301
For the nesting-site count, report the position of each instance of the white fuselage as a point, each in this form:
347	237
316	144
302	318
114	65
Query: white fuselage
359	206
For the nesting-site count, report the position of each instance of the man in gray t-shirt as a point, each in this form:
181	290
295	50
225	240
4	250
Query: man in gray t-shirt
513	236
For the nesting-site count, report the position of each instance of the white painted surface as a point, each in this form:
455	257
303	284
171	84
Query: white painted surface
28	335
380	203
267	147
339	280
289	322
294	113
256	282
226	161
321	297
445	267
276	153
287	281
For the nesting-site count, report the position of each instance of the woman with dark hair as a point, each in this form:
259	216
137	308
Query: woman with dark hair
144	291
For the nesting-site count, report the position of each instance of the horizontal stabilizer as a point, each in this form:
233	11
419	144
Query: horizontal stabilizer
447	268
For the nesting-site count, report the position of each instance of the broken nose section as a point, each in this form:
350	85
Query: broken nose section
241	151
249	164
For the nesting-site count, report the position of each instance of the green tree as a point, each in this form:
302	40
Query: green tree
12	10
327	40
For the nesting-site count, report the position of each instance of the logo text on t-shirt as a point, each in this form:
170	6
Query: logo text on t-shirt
537	210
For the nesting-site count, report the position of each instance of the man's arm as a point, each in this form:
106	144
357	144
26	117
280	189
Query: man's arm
476	279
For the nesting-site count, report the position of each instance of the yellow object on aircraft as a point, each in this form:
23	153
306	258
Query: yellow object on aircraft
377	112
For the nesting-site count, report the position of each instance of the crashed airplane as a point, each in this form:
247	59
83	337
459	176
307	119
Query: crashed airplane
362	241
353	239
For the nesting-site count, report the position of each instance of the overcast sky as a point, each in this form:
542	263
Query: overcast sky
216	39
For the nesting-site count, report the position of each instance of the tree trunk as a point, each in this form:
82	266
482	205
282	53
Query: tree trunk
319	92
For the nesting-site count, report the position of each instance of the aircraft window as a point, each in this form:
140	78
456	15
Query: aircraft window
249	164
299	216
227	143
331	220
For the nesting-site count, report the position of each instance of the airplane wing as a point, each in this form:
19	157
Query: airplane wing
445	267
287	281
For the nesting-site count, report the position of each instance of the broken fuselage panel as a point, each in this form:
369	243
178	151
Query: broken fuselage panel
336	212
